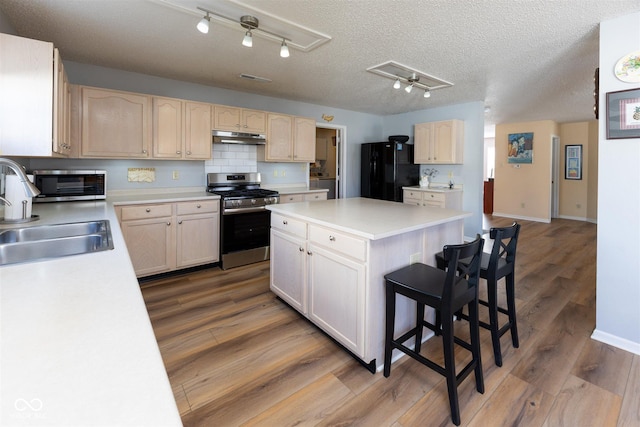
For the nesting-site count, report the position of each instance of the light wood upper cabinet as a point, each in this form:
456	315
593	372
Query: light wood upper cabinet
289	139
115	124
34	99
439	142
197	138
168	129
236	119
304	139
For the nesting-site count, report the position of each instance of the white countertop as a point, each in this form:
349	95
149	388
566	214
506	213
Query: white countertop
369	218
436	188
295	190
78	348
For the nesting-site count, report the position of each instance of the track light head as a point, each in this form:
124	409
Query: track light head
284	49
396	85
203	25
247	40
427	93
408	88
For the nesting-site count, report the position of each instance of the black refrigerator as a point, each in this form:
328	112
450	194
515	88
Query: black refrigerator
386	167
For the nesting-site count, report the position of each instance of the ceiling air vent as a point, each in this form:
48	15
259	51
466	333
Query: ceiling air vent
255	78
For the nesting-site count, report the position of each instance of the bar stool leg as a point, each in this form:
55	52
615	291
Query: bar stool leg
450	366
492	290
389	327
474	333
511	307
419	324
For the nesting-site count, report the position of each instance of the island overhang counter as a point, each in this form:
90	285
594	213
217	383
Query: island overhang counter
329	258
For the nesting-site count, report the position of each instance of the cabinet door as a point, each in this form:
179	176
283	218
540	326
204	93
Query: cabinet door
167	128
115	124
254	121
226	118
279	137
336	297
314	197
422	134
288	269
304	140
61	108
151	245
444	142
197	238
197	131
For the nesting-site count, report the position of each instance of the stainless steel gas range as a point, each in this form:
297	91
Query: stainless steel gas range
244	221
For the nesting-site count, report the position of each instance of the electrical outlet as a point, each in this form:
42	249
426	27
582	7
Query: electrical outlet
176	175
275	173
414	258
522	205
283	173
578	205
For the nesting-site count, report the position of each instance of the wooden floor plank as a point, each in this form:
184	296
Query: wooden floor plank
605	366
630	411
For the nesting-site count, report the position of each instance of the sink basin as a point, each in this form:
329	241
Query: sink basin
53	241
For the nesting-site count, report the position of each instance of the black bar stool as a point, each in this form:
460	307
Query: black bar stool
493	267
447	292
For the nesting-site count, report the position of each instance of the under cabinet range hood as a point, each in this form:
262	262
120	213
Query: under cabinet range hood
226	137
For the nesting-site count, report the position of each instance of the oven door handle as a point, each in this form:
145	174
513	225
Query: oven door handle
242	210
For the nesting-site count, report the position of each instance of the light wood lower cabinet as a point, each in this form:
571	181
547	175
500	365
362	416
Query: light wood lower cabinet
169	236
437	199
303	197
321	273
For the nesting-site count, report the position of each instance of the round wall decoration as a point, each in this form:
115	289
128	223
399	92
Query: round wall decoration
628	68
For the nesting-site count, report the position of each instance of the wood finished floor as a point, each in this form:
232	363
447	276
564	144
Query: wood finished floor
237	356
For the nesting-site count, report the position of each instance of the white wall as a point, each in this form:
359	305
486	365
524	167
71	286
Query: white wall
618	256
468	174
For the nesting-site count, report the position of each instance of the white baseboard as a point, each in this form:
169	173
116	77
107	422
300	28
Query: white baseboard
574	218
621	343
527	218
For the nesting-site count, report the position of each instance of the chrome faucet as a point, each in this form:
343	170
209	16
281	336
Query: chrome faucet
30	190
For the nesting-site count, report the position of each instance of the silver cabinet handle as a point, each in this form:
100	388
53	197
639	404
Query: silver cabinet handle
148	209
333	239
188	153
301	249
198	206
178	152
285	222
180	222
309	253
168	222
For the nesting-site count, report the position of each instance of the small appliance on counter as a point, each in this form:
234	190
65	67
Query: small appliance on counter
70	185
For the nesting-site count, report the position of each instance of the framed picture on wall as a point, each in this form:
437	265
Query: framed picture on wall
623	114
520	149
573	162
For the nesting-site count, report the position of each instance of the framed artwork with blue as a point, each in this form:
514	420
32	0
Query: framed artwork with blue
520	148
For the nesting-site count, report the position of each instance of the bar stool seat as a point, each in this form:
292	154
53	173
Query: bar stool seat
447	292
500	263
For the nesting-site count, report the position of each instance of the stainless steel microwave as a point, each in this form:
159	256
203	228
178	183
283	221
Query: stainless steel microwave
70	185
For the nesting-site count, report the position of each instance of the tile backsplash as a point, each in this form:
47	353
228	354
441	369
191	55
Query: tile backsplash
232	158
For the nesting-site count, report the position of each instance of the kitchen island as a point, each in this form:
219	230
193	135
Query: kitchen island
329	258
77	346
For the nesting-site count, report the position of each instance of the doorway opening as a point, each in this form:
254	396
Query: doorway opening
325	172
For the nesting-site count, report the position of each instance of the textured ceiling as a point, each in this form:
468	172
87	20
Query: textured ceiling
526	60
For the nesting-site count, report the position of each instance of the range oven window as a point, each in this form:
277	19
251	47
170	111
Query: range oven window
245	231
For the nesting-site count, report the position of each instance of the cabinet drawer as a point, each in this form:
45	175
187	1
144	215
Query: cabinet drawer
197	206
339	242
409	194
412	201
291	198
434	197
312	197
289	225
145	211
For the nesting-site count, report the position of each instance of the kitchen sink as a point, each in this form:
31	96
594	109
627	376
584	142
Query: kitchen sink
52	241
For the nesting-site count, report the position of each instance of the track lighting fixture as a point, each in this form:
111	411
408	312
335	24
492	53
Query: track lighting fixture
427	93
203	25
409	78
284	49
396	85
248	22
